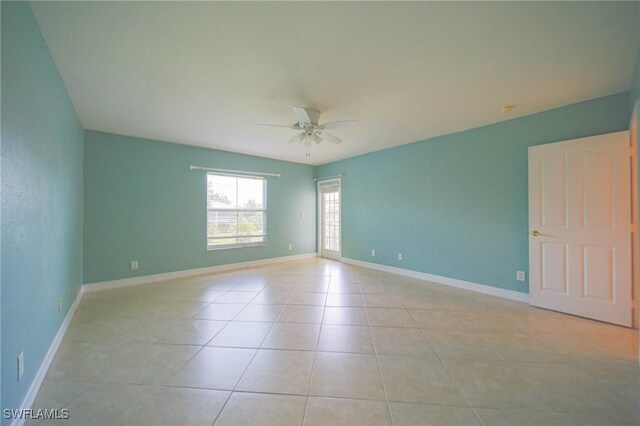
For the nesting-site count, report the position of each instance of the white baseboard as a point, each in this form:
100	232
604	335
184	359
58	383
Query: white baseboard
30	397
144	279
451	282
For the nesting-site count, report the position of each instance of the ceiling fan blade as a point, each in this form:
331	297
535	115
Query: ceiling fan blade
305	115
331	138
317	138
338	124
297	138
274	125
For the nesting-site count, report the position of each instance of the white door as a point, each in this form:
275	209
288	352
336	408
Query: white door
330	220
580	227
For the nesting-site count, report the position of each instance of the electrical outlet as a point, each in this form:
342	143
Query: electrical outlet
290	247
59	304
373	252
134	265
521	276
399	256
20	365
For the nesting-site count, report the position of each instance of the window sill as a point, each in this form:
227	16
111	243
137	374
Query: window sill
235	246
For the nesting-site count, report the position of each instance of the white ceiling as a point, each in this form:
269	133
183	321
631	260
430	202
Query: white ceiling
205	73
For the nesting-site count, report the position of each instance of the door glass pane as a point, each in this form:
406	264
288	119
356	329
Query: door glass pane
331	221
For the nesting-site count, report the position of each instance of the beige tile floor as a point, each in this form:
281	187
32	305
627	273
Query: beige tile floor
319	342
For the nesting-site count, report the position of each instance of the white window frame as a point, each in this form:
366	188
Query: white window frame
263	210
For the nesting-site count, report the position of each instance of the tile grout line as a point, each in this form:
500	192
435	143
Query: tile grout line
265	393
455	382
246	368
315	354
248	364
201	349
375	352
490	347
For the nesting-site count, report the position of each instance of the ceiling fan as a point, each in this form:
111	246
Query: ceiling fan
307	122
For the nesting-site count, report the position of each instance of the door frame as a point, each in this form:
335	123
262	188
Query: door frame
319	215
635	258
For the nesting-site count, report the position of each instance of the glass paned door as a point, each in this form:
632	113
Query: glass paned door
330	218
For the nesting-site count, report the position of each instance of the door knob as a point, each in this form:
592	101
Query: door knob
536	233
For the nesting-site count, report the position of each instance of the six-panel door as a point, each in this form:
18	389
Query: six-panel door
580	227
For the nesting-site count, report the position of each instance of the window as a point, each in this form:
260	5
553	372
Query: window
236	211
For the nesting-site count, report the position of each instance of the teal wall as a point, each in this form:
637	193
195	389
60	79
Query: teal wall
42	154
456	205
143	203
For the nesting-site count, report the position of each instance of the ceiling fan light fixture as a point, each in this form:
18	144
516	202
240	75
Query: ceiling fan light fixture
307	121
